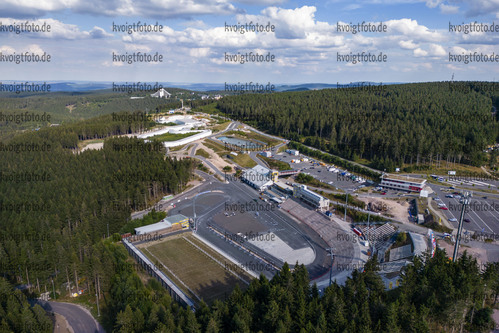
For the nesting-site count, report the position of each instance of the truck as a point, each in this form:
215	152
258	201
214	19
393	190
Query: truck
276	200
358	232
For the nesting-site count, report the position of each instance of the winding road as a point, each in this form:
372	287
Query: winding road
77	316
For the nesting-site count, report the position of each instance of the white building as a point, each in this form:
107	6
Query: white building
293	152
302	192
153	228
404	183
258	177
164	224
161	93
266	153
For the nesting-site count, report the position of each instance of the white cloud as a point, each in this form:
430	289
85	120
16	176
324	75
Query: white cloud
7	49
199	52
262	2
420	52
448	9
436	50
31	48
433	3
55	29
408	45
412	29
352	6
482	7
291	23
144	8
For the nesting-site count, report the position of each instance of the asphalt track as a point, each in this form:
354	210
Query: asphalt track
214	226
78	318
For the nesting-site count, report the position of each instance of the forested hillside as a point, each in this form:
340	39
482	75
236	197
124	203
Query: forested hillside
17	315
402	124
70	107
57	204
439	296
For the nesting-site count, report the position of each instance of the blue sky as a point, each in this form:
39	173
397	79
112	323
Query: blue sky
305	43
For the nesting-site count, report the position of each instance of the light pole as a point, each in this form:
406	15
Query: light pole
466	200
330	254
346	206
53	288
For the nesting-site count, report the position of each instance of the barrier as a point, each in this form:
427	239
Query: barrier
173	290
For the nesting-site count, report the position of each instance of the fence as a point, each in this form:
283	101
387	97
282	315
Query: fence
173	290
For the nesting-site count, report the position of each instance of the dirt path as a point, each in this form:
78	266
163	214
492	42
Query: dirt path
385	206
217	161
478	253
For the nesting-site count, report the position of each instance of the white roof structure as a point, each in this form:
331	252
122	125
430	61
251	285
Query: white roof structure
420	243
261	169
153	227
257	177
161	93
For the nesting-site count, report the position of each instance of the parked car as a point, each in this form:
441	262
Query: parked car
467	220
453	219
443	208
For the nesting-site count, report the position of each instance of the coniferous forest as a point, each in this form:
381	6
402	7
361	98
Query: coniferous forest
57	203
400	124
54	227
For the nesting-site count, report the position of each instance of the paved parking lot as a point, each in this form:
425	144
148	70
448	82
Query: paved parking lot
482	215
319	172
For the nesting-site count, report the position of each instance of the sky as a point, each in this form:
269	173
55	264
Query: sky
308	43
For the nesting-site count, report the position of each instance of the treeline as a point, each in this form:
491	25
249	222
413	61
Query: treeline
70	106
64	108
436	295
129	304
56	205
403	124
17	315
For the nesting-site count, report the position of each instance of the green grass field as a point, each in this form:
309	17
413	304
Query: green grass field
203	153
202	273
